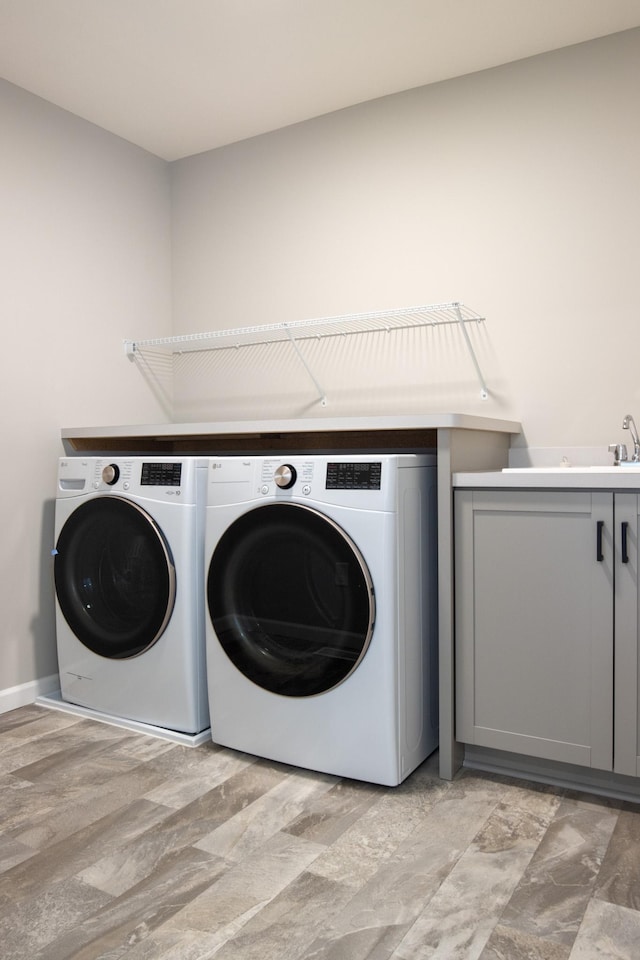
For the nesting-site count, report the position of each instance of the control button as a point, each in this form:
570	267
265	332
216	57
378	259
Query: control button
306	489
285	476
126	485
110	474
96	484
264	489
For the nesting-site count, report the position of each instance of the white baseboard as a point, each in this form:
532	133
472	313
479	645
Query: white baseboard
13	697
55	702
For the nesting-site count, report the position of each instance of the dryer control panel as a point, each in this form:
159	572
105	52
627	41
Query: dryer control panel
368	481
305	476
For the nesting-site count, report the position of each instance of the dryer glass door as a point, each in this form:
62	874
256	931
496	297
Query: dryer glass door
114	576
291	599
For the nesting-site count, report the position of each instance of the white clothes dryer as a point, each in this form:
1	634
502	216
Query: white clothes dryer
129	588
322	611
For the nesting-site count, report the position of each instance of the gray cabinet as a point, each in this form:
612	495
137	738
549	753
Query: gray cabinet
546	621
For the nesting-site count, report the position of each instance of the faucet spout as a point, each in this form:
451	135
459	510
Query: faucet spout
629	424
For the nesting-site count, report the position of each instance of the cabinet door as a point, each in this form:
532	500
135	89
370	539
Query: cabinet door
626	713
534	623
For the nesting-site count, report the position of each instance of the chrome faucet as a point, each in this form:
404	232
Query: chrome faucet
629	424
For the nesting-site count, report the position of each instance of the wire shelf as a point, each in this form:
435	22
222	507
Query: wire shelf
428	315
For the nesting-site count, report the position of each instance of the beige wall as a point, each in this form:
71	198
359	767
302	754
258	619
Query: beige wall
515	190
85	254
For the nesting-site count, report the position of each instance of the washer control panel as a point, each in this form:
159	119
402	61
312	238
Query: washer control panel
120	473
155	474
354	475
166	479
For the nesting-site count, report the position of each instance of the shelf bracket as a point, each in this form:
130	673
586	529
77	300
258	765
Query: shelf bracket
322	394
484	393
130	349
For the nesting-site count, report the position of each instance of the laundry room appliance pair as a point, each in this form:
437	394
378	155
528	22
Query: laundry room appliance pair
309	580
129	589
321	617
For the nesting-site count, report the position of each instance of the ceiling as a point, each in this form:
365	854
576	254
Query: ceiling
178	77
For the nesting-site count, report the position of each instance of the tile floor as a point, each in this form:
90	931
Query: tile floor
117	845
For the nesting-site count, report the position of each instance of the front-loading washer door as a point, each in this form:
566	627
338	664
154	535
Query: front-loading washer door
115	577
291	599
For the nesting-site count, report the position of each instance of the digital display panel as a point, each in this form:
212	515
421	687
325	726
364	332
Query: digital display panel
354	476
161	474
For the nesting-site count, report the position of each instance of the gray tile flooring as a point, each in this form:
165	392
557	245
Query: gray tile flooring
117	845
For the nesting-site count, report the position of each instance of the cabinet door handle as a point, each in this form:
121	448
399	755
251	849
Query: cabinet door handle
599	528
624	527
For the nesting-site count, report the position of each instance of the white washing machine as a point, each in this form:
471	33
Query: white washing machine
321	611
129	585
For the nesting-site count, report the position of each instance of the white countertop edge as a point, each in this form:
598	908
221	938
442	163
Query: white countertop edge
308	425
572	478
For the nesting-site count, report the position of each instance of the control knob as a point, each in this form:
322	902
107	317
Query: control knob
285	476
110	474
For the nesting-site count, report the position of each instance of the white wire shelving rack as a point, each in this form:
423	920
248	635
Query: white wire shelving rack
296	332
